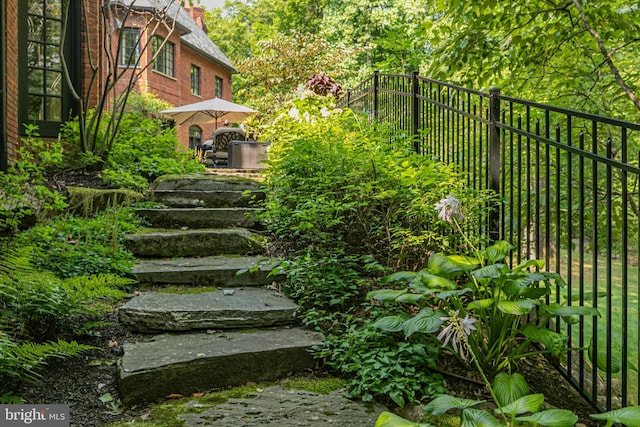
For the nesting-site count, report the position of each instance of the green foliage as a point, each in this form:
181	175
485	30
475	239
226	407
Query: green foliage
487	309
75	246
22	361
23	194
379	365
335	184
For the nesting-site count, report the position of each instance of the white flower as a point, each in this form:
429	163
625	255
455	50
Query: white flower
467	324
448	209
324	111
307	116
294	113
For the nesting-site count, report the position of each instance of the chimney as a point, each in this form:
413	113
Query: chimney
197	14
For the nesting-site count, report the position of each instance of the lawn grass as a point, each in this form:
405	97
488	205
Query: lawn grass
615	287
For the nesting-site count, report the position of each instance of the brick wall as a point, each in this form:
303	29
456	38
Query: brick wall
12	77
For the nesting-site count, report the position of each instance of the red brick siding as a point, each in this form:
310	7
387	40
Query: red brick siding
12	77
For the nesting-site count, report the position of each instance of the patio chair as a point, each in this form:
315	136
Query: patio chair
219	155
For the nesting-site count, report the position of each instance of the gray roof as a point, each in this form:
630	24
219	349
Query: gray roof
193	35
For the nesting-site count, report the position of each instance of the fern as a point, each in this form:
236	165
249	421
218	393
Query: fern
24	360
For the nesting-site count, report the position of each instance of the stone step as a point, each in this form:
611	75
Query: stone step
207	198
223	309
200	217
187	243
204	182
187	363
207	271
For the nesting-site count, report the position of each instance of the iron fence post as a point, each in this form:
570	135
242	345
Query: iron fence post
348	98
415	112
376	79
494	160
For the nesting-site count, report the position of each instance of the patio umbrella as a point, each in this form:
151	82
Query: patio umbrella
208	111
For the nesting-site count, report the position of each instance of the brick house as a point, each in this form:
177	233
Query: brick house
188	66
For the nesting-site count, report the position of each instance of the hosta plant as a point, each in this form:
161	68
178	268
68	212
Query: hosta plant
505	307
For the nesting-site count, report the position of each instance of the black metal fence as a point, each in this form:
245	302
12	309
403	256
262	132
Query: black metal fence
569	191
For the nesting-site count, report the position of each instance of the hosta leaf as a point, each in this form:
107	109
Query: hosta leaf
587	296
480	304
524	282
410	298
492	271
529	403
454	293
497	252
389	323
509	387
552	418
518	307
565	310
616	361
450	266
535	263
441	404
418	286
386	294
478	418
534	293
426	321
434	281
400	276
629	416
387	419
554	342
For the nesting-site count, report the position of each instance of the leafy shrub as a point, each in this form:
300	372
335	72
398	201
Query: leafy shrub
23	194
379	365
75	246
336	184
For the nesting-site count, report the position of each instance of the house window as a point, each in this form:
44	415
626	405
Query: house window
195	80
219	87
44	97
163	53
195	137
129	47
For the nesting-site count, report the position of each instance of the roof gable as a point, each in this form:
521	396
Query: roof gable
193	35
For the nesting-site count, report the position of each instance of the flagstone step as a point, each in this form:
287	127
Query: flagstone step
207	198
200	217
223	309
207	271
186	243
205	182
187	363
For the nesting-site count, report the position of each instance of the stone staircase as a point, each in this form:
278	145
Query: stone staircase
244	331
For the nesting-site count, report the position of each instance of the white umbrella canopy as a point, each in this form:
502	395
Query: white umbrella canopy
209	111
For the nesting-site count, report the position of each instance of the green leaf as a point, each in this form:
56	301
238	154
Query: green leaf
509	388
480	304
518	307
441	404
616	361
386	294
478	418
387	419
529	403
454	293
552	418
410	298
492	271
535	263
497	252
564	310
426	321
554	342
400	276
450	266
534	293
432	280
389	323
629	416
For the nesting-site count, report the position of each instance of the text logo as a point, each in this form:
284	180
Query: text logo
34	415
